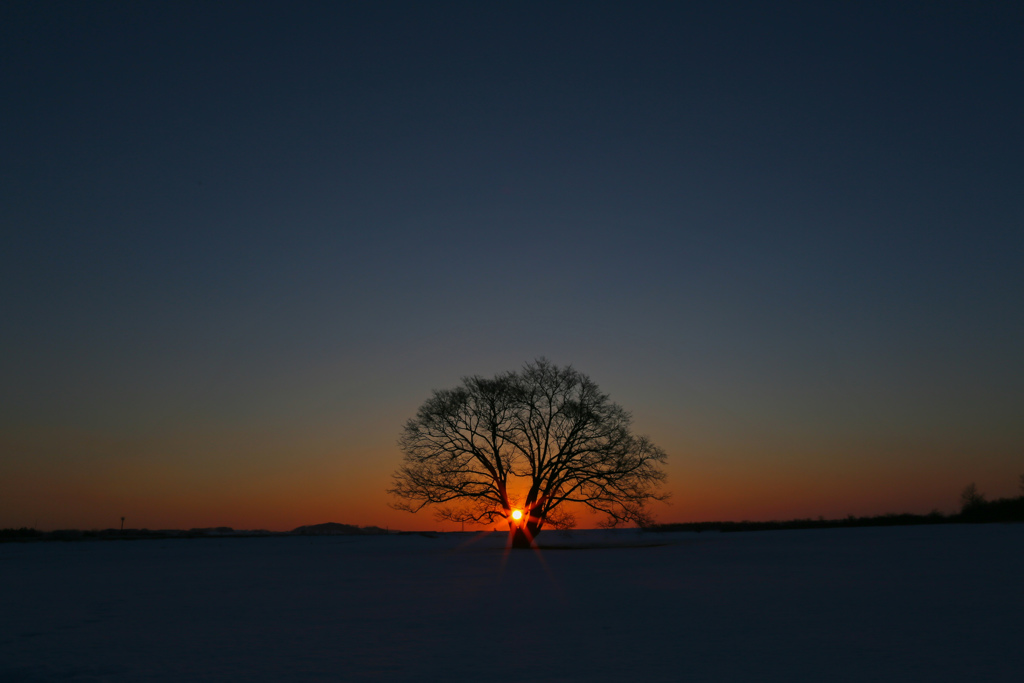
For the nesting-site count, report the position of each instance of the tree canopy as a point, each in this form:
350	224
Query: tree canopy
545	431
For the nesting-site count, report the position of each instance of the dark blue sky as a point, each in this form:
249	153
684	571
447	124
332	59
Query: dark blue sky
243	241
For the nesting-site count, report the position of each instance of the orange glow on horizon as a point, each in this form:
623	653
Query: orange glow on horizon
70	480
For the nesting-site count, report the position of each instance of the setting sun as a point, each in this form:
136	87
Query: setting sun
517	514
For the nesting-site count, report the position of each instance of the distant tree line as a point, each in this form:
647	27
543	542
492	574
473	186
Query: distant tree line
27	534
974	509
328	529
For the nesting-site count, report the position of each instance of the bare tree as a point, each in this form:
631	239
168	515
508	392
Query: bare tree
549	428
970	497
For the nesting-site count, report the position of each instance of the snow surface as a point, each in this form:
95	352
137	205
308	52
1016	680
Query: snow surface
936	603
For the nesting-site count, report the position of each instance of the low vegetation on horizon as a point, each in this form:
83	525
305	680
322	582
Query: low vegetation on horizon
327	529
974	509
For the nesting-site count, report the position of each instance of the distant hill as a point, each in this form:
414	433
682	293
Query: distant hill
336	529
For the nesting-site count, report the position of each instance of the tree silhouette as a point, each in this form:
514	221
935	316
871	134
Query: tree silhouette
545	430
970	497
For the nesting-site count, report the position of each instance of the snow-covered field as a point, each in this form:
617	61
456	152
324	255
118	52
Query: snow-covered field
940	603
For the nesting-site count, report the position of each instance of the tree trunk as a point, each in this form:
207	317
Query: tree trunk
522	535
520	539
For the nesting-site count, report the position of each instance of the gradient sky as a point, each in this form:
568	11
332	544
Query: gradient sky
242	242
